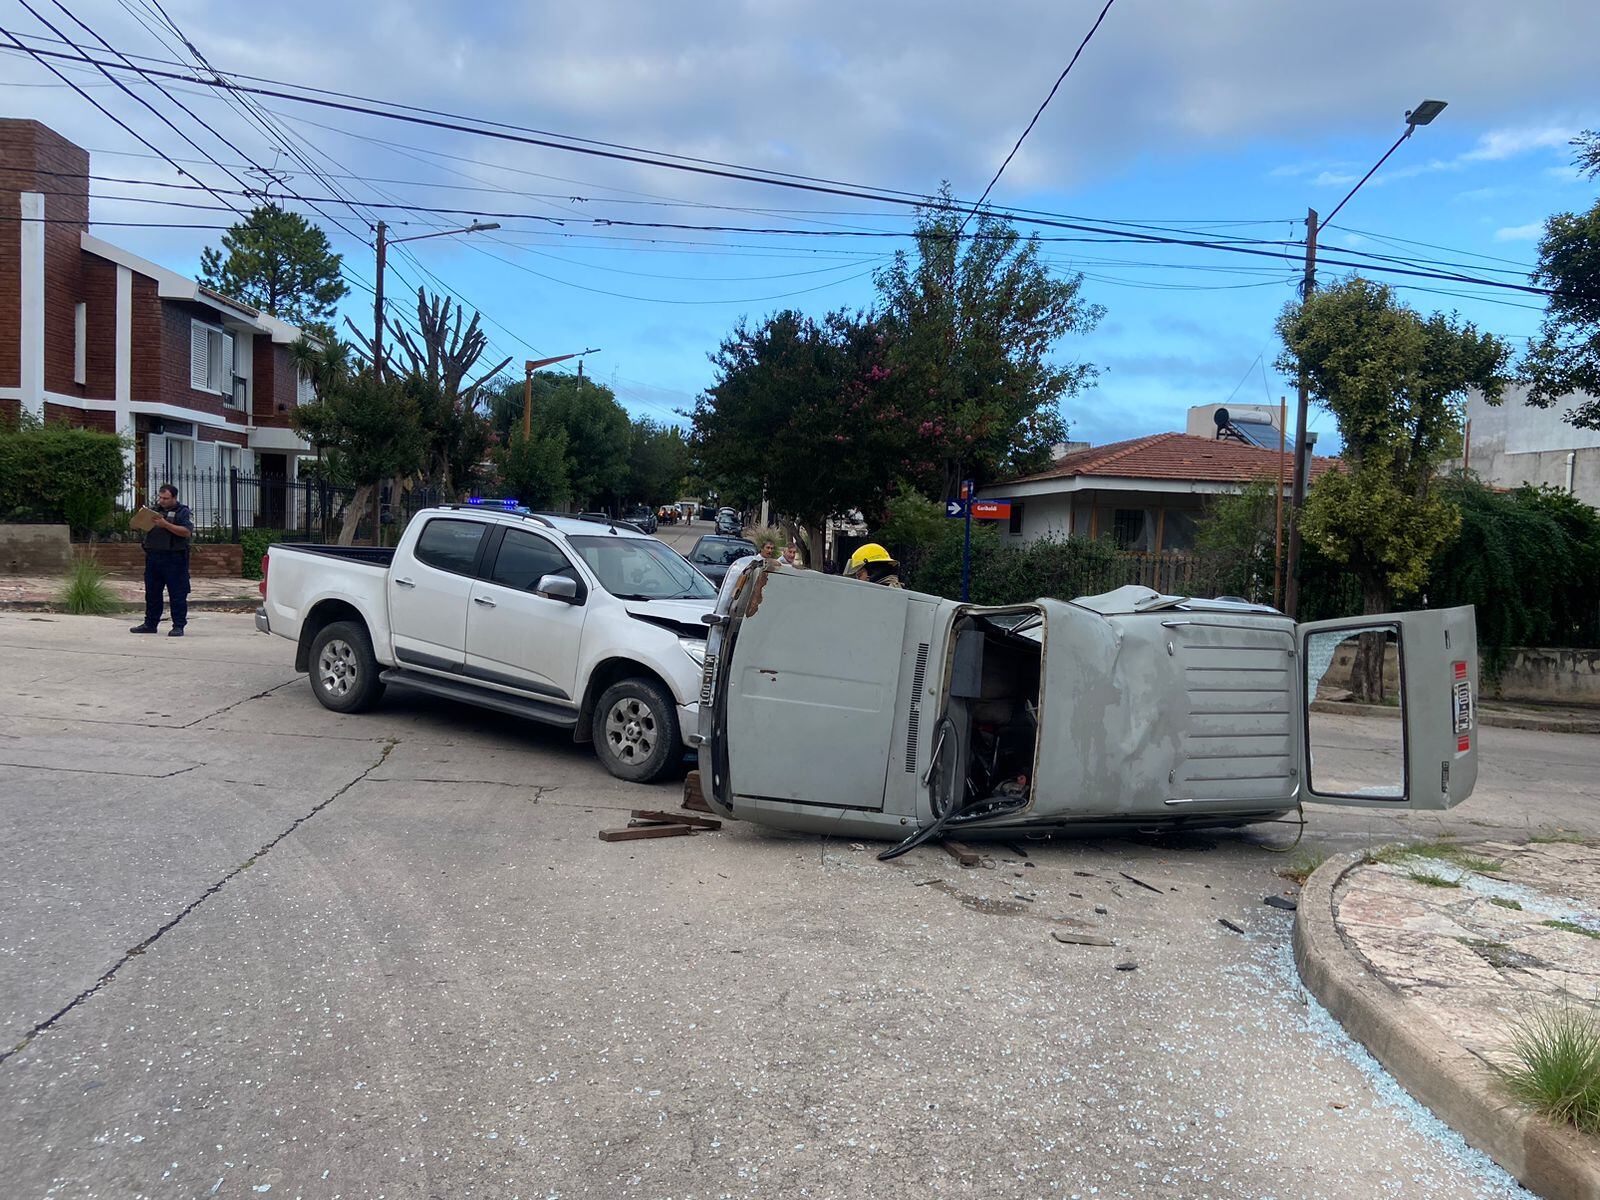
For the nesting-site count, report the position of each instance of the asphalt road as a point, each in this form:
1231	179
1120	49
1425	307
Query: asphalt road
248	946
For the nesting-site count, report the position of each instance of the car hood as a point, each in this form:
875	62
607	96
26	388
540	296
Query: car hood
682	616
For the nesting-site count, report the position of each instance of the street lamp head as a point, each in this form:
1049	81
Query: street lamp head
1424	113
485	226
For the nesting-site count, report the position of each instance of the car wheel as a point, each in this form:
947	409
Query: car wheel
344	671
635	728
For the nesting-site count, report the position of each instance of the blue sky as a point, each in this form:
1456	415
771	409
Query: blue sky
1224	118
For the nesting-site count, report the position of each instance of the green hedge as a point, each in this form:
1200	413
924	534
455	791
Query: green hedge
46	473
255	543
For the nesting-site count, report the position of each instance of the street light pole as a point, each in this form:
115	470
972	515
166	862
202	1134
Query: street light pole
1423	114
383	242
533	365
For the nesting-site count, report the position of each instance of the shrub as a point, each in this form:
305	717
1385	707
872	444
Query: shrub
1556	1066
44	468
86	593
254	543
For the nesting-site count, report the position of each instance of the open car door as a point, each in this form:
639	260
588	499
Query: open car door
1389	710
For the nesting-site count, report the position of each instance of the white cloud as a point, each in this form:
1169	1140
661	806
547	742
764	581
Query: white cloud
1520	233
1500	144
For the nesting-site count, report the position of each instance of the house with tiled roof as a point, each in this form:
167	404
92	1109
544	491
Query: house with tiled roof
1145	494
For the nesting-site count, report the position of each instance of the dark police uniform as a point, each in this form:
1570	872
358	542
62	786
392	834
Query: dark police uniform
166	566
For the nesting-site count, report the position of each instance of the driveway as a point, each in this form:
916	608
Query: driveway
248	946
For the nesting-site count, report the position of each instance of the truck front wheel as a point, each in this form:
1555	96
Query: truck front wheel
344	671
635	728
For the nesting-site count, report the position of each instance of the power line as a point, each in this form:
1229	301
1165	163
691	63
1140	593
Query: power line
1051	96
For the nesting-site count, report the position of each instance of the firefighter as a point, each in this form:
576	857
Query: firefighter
873	564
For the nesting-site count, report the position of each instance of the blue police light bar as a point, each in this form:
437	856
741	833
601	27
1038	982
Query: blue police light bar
509	503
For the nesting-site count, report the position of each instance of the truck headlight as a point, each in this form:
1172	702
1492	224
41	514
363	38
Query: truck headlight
695	648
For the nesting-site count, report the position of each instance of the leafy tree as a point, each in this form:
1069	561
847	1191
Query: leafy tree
1566	356
800	412
1395	381
534	470
1238	535
658	460
279	262
972	320
371	429
1529	559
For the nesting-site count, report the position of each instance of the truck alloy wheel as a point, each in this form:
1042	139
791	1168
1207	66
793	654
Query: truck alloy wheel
337	669
636	730
344	671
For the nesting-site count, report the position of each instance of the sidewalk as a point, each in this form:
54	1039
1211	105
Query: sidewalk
1496	713
1430	965
206	594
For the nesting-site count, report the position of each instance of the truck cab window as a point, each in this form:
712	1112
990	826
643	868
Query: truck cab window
525	558
450	545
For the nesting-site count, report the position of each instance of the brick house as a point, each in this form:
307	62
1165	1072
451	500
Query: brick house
1146	494
94	335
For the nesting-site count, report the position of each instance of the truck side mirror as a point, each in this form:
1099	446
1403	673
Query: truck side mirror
557	587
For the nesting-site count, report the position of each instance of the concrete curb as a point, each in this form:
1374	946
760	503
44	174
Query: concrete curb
1556	1163
1485	717
242	604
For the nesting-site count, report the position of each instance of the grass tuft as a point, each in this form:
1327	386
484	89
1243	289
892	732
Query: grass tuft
1513	904
1304	862
1572	927
86	593
1556	1068
1545	839
1442	851
1432	880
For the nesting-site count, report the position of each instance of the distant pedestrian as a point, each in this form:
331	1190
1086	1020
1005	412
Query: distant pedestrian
769	549
166	563
791	556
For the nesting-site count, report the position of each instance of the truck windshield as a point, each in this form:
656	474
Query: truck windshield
635	568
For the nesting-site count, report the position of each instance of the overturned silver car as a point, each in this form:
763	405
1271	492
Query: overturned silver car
840	707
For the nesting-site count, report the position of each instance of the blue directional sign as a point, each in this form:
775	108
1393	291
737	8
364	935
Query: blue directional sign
955	508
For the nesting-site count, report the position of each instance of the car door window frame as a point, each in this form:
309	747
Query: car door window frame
491	557
485	534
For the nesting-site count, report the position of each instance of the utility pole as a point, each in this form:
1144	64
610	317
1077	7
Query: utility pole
377	301
1291	588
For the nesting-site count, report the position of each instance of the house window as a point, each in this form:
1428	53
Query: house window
304	393
1128	529
1178	529
210	358
80	348
1014	527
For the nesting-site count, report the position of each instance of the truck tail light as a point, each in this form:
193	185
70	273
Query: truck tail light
264	576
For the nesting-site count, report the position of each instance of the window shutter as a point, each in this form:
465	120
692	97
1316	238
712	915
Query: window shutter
225	380
199	356
214	360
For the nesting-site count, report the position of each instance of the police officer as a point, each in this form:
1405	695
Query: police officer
166	562
871	563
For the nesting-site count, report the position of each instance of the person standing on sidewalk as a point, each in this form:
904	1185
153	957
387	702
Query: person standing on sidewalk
166	563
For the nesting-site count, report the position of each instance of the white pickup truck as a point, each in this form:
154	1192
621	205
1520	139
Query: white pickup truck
585	624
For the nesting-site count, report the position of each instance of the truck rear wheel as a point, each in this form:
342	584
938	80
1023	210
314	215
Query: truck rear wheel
344	671
635	729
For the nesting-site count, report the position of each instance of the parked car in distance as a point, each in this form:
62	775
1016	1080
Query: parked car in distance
587	626
728	523
708	512
641	516
714	554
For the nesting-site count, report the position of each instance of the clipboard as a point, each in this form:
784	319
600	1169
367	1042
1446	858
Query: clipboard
143	519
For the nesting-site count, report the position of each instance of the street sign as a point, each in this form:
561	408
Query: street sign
955	508
991	510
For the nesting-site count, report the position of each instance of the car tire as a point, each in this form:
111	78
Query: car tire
635	730
344	671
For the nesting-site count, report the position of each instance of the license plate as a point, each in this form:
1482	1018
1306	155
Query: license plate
1463	706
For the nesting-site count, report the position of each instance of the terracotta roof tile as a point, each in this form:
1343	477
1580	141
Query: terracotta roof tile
1171	456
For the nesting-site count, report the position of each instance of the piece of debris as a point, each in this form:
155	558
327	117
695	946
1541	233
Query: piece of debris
636	832
1128	966
1016	849
1020	896
964	855
671	818
1080	939
924	882
1227	924
1338	1104
857	846
1100	909
1282	902
693	798
1147	887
